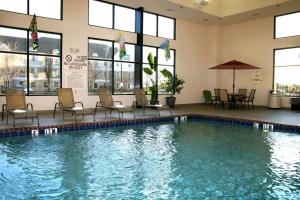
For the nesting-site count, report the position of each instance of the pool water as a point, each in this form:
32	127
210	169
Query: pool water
192	160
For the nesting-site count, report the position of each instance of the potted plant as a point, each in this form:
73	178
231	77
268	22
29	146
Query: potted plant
153	89
173	85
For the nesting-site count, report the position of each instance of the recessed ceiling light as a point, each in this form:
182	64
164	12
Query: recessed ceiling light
181	6
170	10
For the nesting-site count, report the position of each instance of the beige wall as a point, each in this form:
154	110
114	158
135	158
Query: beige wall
197	49
252	42
190	44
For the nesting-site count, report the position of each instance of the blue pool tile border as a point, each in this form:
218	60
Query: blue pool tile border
22	131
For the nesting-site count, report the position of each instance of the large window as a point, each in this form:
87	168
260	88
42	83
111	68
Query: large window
160	26
100	14
287	25
162	64
287	70
107	69
37	72
111	16
124	19
44	8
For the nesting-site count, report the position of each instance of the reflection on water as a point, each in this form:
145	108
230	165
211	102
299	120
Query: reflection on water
167	161
284	165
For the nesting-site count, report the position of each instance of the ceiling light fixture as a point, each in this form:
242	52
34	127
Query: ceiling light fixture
201	2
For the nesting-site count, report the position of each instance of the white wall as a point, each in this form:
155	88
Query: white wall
190	43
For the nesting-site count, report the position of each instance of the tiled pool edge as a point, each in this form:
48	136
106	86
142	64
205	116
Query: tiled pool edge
22	131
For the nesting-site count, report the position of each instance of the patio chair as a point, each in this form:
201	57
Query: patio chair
216	98
224	98
107	103
249	99
142	101
241	96
17	107
66	103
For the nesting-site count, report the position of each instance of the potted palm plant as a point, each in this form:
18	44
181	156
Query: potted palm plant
173	85
153	89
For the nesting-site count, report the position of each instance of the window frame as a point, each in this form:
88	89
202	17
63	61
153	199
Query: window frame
157	22
174	66
274	67
274	30
28	11
28	53
113	64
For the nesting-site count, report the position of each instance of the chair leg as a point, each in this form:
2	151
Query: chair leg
38	120
14	120
133	113
75	116
3	109
63	114
54	112
118	114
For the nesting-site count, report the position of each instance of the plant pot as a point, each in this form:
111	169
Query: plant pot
171	101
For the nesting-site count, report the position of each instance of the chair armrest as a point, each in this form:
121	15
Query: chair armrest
120	102
79	102
31	106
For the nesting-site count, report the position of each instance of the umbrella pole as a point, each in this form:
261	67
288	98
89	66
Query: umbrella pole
233	85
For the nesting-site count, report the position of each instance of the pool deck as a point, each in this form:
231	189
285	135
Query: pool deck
279	116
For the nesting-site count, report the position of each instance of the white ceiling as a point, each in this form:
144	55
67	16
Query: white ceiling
217	11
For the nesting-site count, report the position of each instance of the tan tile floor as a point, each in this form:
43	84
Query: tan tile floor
283	116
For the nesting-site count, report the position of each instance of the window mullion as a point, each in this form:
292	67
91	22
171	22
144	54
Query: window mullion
28	6
27	73
113	68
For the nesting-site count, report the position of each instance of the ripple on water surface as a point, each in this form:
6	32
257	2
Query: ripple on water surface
193	160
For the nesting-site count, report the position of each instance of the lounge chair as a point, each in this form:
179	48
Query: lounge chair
66	103
107	103
142	101
17	107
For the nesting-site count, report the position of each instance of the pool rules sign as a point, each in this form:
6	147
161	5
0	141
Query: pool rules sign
75	70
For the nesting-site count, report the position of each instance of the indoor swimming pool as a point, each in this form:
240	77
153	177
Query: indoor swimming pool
190	160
